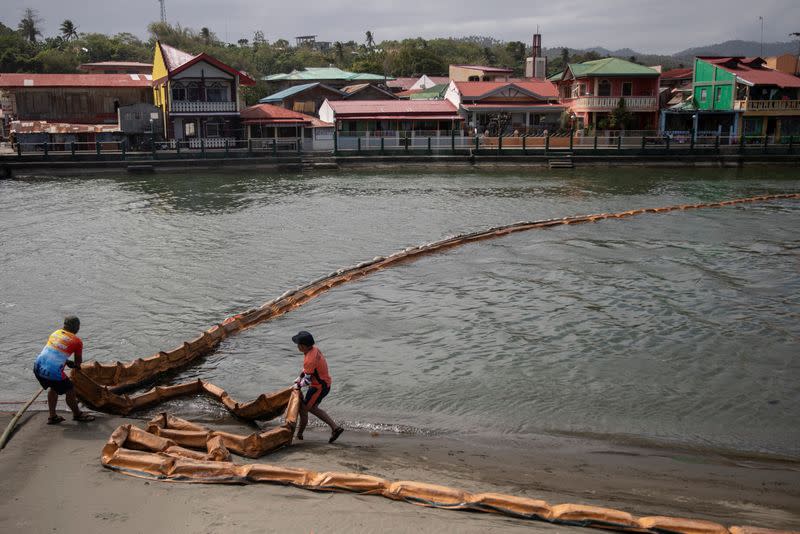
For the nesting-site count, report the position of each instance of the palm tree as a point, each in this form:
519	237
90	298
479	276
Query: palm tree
29	25
69	30
370	39
339	48
205	35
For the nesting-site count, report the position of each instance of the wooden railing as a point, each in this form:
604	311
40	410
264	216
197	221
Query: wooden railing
187	106
766	105
607	103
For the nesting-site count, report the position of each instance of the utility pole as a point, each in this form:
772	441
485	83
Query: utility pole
762	36
163	11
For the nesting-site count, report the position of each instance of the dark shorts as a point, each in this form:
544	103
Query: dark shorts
59	386
314	395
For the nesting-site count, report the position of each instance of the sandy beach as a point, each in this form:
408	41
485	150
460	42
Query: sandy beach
55	483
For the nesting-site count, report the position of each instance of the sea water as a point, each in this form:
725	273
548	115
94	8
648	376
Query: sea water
679	328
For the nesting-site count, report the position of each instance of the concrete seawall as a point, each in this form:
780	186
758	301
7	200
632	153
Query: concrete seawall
14	167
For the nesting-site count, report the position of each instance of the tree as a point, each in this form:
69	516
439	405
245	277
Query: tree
258	39
68	30
370	39
29	25
338	49
243	42
565	56
620	118
205	35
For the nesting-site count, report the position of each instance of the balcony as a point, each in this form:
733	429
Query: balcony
187	106
766	105
608	103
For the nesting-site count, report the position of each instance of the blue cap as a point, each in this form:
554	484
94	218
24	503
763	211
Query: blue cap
303	338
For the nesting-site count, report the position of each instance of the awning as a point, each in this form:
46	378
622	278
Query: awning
400	118
277	122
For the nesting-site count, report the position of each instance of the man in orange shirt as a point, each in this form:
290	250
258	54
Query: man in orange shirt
49	369
314	375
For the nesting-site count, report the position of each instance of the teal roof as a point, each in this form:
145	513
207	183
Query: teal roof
325	73
280	95
556	77
610	66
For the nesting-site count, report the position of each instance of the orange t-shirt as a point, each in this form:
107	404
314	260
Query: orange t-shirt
314	364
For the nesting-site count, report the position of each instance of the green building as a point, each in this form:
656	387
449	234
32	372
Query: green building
737	95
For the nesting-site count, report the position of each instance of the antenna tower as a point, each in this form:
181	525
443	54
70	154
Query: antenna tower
163	11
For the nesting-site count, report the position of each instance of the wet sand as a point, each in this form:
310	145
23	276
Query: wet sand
53	481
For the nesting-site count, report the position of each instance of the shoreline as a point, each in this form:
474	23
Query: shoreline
11	167
635	479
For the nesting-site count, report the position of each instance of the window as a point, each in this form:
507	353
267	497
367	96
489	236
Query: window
718	96
216	93
178	92
188	129
604	88
703	94
627	88
474	79
193	92
214	128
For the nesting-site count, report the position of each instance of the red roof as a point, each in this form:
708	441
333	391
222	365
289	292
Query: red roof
178	60
269	114
116	64
402	83
485	69
75	80
676	74
394	109
523	106
475	90
751	70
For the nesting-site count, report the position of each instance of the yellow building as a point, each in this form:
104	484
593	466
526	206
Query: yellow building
198	95
788	63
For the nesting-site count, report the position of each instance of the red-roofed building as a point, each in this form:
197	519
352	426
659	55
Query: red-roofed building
117	67
384	118
502	108
267	124
62	108
199	96
739	95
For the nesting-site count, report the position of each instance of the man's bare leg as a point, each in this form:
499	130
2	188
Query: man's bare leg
303	420
319	412
72	402
52	400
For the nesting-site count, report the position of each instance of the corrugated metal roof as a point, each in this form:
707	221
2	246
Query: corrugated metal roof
22	127
75	80
324	73
346	108
409	116
178	60
752	71
116	64
280	95
266	113
174	58
402	83
676	74
542	88
610	66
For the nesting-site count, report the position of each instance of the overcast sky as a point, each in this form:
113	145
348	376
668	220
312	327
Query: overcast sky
652	26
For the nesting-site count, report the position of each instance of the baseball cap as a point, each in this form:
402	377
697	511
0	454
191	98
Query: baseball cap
303	338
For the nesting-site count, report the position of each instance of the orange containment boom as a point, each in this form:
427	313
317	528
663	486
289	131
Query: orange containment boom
166	451
97	384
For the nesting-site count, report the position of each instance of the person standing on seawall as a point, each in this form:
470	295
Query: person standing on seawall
314	375
49	369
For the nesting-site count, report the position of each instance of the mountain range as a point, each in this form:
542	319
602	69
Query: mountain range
685	57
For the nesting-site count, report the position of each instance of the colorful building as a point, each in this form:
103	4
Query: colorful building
741	96
593	89
198	95
502	108
66	108
306	98
267	125
391	117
